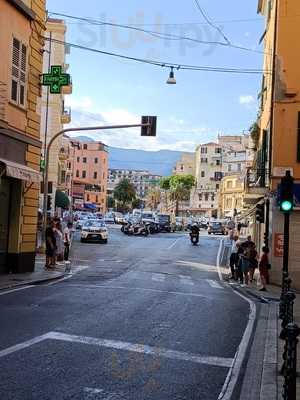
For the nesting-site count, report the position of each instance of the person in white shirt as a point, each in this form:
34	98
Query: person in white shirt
67	240
234	258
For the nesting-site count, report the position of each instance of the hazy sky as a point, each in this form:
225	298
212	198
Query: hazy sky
201	105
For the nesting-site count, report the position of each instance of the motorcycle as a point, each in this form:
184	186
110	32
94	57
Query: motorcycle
140	230
127	229
194	235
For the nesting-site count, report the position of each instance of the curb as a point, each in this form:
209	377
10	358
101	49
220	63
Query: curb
34	282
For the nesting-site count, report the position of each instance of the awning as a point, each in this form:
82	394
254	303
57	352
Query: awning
90	206
19	171
252	198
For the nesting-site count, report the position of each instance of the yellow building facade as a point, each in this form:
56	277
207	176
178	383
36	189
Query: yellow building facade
21	44
278	141
231	196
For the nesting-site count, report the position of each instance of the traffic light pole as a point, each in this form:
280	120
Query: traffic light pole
47	157
286	245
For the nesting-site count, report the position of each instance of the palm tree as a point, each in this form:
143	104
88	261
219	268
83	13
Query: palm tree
124	193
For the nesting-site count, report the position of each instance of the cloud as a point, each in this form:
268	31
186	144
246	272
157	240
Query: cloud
172	134
246	99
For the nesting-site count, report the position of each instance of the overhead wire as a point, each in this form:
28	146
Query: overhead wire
164	36
164	64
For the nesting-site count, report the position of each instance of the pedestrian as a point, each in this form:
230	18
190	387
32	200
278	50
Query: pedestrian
264	267
50	245
251	254
234	258
67	240
240	252
59	256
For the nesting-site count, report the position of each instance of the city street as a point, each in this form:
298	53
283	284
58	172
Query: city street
146	318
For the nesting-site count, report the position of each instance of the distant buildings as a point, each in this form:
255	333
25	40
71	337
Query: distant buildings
142	180
90	172
186	165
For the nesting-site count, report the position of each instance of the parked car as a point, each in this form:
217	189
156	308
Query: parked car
216	227
164	222
119	218
94	230
109	219
179	224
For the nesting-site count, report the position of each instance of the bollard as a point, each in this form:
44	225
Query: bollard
286	286
68	266
288	314
291	332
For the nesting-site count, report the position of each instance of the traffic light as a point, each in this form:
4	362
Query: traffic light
286	193
150	129
49	202
260	213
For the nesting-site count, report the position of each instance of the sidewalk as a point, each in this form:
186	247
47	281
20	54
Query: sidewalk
271	380
38	276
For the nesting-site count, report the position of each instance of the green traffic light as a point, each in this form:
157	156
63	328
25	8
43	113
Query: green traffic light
286	206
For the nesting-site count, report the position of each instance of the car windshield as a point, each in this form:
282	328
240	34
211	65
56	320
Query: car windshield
164	218
95	223
149	216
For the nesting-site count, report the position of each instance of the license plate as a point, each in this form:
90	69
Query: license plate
94	236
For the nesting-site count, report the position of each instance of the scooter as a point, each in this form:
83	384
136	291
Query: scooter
194	234
140	230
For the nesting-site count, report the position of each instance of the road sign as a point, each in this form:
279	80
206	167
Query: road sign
278	244
56	79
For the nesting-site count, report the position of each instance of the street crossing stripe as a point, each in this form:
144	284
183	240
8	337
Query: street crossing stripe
158	277
214	284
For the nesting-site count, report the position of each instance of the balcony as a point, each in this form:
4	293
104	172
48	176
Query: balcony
66	115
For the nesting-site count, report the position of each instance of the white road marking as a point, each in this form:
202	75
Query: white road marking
214	284
186	280
143	349
219	260
92	390
23	345
16	290
174	243
233	374
138	288
158	277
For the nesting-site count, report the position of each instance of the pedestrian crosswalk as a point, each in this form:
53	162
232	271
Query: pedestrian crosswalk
184	280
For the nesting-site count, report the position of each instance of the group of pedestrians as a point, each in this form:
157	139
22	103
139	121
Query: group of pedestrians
244	260
58	242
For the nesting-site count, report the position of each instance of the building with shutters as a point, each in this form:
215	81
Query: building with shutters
21	29
277	132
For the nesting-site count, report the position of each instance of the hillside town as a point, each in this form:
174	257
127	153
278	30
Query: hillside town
148	251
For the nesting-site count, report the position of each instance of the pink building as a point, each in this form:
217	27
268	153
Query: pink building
90	172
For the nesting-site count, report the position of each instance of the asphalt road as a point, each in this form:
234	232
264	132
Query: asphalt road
146	318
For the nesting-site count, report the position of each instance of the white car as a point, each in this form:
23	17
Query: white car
94	231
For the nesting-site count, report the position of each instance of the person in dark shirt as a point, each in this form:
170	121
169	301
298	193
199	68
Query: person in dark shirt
50	245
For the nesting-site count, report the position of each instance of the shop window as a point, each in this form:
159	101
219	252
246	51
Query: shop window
18	72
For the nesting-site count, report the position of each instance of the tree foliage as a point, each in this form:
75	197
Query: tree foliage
179	187
61	200
124	192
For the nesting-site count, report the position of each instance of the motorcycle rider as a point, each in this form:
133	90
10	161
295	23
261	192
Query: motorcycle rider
195	231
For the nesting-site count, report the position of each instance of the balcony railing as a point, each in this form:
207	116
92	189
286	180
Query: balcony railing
256	179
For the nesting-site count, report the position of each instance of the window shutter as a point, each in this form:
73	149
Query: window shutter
23	74
15	70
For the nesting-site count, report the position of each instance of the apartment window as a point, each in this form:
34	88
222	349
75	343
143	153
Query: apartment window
229	168
229	185
63	177
202	174
218	150
87	197
85	147
78	159
77	174
69	165
18	72
204	160
97	199
95	175
203	150
218	162
228	203
239	167
83	174
212	197
217	186
84	160
206	196
96	160
200	196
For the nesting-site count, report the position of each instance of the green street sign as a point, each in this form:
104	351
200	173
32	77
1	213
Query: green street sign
42	164
56	79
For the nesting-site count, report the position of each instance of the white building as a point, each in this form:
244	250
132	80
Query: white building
142	180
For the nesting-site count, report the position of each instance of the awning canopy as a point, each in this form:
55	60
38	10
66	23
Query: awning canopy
19	171
90	206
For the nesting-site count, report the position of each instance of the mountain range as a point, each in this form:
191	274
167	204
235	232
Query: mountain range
159	162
